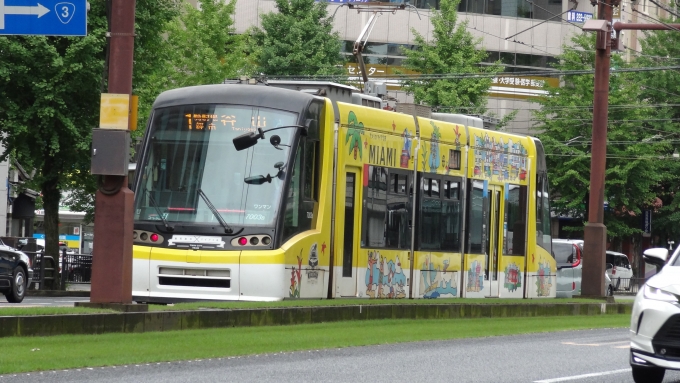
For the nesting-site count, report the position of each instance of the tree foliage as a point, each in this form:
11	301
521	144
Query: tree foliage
176	45
662	89
297	40
452	50
151	18
633	168
49	103
202	47
50	89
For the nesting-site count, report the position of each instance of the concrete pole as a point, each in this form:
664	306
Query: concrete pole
112	255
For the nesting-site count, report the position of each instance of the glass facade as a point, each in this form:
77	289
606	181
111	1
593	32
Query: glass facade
391	57
537	10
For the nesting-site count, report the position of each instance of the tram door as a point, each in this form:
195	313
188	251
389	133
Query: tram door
494	244
347	281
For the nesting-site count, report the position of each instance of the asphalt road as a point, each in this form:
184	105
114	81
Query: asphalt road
572	356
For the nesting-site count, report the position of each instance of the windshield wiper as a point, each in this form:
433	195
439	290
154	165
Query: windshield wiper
216	213
158	210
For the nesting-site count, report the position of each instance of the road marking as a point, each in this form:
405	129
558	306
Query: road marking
595	344
577	377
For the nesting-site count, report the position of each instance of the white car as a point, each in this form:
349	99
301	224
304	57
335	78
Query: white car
619	270
655	321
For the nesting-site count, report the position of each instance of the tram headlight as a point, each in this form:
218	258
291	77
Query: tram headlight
254	241
144	236
266	241
154	237
134	235
243	241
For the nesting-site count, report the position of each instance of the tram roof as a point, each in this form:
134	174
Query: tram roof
235	94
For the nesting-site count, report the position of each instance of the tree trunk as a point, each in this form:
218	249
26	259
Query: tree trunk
51	196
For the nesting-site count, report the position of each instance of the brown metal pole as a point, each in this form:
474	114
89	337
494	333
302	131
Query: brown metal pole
595	232
112	255
619	26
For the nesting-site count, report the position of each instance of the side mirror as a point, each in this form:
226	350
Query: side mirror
257	180
656	256
247	140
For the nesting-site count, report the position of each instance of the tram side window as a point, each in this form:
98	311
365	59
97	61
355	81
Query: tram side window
297	217
543	233
477	230
312	152
375	204
516	220
310	159
398	216
440	215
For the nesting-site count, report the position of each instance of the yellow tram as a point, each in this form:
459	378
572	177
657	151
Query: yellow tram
294	190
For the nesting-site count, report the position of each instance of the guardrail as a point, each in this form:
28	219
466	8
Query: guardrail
76	267
627	286
71	268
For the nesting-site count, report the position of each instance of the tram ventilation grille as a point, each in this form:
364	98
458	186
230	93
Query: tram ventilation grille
169	276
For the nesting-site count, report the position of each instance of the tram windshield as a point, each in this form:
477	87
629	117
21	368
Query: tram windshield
190	150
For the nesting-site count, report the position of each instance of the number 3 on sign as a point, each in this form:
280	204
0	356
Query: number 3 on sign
64	11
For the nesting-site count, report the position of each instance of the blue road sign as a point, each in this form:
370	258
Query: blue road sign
578	17
43	17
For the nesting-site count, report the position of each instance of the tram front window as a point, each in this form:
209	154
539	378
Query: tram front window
191	149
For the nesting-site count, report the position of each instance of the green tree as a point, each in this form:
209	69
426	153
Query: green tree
150	56
201	46
298	40
633	169
50	89
452	50
177	45
662	89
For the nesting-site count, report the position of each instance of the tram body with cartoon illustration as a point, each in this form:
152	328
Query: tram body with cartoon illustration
262	193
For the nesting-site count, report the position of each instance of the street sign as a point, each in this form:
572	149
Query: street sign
43	17
646	223
578	17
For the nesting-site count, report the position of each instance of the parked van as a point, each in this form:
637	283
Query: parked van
568	253
619	270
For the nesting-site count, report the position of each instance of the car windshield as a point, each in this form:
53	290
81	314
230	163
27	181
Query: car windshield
191	150
564	252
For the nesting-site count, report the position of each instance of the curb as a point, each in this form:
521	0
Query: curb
138	322
56	293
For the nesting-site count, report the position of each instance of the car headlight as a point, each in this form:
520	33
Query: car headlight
658	294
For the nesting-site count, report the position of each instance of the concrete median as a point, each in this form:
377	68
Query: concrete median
134	322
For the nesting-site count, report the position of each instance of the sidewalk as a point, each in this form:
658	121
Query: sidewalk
78	287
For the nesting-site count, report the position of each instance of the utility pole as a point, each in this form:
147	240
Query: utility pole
112	255
595	232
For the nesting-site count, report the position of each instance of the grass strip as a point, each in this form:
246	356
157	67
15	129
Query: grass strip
66	352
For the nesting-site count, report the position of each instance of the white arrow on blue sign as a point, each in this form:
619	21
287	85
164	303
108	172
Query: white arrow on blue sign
43	17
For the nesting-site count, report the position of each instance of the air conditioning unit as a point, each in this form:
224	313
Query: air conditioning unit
376	88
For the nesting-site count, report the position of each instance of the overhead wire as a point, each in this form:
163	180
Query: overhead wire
546	72
649	157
